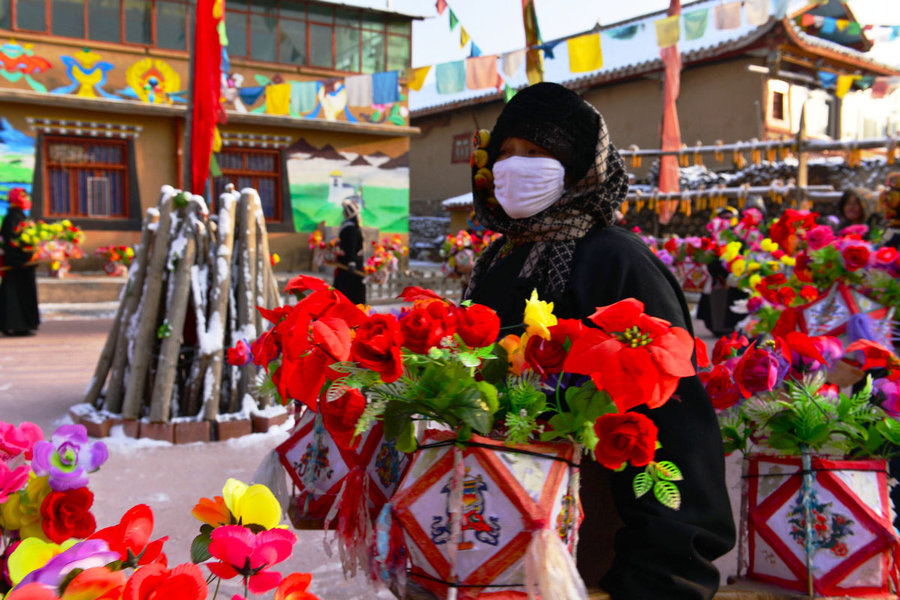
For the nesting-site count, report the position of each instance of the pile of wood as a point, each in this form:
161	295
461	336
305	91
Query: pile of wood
192	292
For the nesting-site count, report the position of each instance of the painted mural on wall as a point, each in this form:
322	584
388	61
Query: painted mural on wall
18	61
321	178
16	161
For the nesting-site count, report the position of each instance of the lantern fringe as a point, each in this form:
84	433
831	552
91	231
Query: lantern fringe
354	528
271	474
388	553
550	571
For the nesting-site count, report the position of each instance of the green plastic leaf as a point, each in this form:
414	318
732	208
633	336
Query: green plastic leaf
494	371
642	484
406	441
181	199
667	494
469	360
669	471
200	548
489	395
164	331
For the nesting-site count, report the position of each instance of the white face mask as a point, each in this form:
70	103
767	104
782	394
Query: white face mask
526	185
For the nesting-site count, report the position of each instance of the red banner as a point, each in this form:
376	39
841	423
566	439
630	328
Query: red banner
206	109
670	132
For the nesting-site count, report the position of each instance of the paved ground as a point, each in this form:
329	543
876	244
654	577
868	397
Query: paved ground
41	376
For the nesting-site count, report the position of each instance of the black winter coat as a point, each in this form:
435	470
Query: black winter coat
18	287
658	553
346	280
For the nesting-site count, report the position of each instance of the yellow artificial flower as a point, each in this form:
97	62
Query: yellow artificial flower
768	245
773	265
738	267
22	511
539	317
789	260
754	281
753	267
32	554
732	249
254	504
515	352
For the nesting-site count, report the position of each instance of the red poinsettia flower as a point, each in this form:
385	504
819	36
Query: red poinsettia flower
702	353
294	587
331	303
131	538
413	293
877	355
242	552
636	358
67	515
151	582
305	283
340	416
726	347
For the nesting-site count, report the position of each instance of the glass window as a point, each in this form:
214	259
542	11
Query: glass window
263	37
293	42
31	15
256	168
171	27
86	178
398	25
292	11
372	51
373	21
346	48
236	26
398	53
5	14
66	18
320	14
320	46
346	17
139	22
104	20
238	4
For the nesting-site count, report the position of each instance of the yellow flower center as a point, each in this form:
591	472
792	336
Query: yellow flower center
634	337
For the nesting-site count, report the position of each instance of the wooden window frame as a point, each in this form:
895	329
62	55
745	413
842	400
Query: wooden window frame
460	140
255	175
74	201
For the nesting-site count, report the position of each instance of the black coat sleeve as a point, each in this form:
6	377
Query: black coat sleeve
12	256
659	552
351	241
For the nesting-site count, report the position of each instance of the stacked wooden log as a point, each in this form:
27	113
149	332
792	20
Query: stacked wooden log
192	292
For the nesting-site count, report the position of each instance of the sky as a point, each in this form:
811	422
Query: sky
496	25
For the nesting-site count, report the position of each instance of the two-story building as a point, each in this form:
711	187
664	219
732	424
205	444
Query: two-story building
93	107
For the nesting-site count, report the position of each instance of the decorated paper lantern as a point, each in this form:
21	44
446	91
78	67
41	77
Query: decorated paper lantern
318	468
852	525
509	494
694	276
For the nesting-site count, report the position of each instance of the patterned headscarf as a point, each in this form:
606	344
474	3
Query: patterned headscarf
592	200
18	197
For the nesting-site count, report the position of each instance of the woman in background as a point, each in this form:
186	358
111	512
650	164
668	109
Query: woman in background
18	290
348	277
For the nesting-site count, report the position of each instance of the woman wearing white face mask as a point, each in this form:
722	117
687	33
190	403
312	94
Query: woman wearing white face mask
557	183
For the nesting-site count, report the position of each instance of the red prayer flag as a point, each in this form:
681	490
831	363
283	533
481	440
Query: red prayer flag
670	132
206	109
441	6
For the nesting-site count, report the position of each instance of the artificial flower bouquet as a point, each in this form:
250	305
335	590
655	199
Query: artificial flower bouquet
51	548
324	253
385	258
460	251
116	259
57	242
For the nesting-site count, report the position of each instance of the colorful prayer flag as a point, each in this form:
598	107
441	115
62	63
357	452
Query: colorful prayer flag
463	37
511	61
359	90
415	78
453	20
206	110
534	61
474	51
827	79
829	26
695	23
667	31
481	72
547	48
728	16
842	24
441	6
508	92
853	28
807	20
303	97
880	87
450	77
757	11
385	87
844	82
626	32
278	99
864	82
585	53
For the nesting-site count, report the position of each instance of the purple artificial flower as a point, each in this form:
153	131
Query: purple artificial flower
862	327
68	457
665	257
891	392
833	221
83	555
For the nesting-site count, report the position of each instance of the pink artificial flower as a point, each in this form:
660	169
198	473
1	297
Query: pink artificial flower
818	237
16	440
242	552
891	392
12	480
886	256
856	256
239	355
854	230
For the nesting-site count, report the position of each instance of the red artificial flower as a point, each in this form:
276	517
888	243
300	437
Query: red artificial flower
426	325
67	515
787	295
96	583
756	371
377	346
155	582
274	315
809	292
545	357
32	591
787	322
331	303
295	587
802	267
626	437
302	378
239	355
671	246
413	293
876	355
855	256
727	347
720	387
305	283
242	552
340	416
886	255
131	537
702	353
264	350
819	236
800	343
477	325
636	358
332	336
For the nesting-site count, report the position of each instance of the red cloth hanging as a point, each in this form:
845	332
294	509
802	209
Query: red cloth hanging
670	132
206	109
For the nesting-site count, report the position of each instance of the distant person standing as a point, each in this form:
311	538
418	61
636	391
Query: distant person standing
890	204
18	290
347	278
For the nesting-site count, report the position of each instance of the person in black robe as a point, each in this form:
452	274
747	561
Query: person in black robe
18	288
347	278
559	238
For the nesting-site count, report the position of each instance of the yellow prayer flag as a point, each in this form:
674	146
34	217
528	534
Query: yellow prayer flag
843	85
667	31
585	53
278	99
463	37
842	24
415	78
